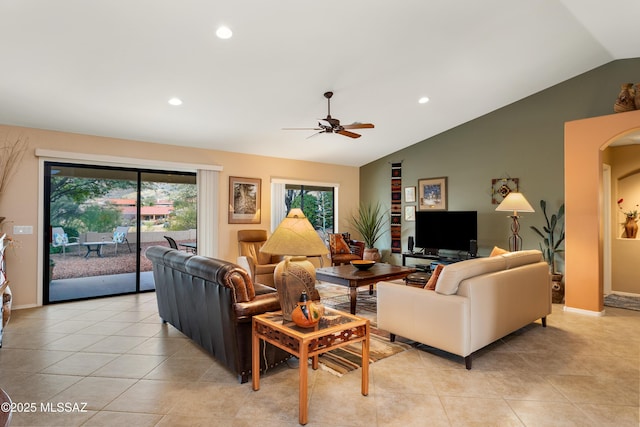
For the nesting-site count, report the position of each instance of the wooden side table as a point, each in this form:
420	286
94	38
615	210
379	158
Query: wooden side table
337	329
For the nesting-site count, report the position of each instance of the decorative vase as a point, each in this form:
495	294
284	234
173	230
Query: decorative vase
372	254
306	314
626	99
293	276
630	228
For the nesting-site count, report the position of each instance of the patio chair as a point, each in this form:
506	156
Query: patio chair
120	237
60	239
172	242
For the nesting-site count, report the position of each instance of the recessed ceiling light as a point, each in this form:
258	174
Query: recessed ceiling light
175	101
224	32
423	100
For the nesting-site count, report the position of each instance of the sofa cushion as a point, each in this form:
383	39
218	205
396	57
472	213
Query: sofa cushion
498	251
516	259
453	274
431	283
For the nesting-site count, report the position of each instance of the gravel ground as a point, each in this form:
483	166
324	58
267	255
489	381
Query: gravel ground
74	264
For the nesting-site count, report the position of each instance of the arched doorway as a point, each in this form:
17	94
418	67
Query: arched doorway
583	145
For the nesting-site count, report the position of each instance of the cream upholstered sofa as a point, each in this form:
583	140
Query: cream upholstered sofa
475	303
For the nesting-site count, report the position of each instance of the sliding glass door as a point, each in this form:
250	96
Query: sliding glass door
98	222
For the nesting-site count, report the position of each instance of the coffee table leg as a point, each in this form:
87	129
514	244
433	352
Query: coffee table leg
353	294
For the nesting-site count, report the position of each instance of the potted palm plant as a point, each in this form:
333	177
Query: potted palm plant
369	221
552	235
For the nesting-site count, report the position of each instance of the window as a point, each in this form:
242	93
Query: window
318	201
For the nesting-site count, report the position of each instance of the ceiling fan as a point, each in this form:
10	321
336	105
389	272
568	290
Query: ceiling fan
331	125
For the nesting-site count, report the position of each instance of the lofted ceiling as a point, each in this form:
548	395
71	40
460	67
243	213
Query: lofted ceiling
108	67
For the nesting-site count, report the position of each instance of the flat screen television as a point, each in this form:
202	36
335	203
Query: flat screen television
448	230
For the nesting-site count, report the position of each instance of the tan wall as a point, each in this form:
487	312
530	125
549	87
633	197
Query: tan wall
584	142
625	253
20	202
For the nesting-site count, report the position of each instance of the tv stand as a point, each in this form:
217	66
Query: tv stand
429	257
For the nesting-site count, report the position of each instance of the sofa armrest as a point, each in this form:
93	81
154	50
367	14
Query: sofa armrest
441	321
504	301
260	304
265	268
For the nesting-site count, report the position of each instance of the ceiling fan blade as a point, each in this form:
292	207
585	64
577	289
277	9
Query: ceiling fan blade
317	133
359	126
301	128
349	134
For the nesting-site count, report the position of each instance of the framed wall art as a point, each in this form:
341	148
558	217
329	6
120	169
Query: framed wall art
409	194
244	200
501	187
432	194
410	213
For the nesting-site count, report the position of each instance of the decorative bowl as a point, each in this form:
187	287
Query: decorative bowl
362	264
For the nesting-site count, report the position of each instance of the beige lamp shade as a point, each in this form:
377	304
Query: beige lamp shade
515	202
295	236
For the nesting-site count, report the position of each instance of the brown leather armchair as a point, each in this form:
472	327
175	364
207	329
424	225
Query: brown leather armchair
259	265
344	250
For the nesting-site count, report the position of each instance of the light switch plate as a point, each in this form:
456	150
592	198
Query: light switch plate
22	229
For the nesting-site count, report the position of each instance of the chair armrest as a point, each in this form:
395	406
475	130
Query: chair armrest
247	264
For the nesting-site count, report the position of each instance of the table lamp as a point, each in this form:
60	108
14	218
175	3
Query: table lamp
296	239
515	202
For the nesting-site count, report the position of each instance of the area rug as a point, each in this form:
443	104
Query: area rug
346	359
622	301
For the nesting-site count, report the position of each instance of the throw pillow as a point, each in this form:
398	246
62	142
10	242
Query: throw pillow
58	238
431	284
498	251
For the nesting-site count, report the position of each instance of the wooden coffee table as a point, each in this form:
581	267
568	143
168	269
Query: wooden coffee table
352	278
336	329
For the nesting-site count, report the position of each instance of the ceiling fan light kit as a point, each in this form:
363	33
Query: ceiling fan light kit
331	125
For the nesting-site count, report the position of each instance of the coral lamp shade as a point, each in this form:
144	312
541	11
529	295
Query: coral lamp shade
515	202
295	236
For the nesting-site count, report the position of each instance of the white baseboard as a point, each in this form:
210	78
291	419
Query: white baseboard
583	311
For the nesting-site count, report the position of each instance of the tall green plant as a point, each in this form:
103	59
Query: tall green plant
552	235
369	221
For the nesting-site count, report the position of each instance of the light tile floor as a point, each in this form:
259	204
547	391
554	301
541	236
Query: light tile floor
116	356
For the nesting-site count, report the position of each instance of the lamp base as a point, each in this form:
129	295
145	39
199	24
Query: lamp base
292	276
515	241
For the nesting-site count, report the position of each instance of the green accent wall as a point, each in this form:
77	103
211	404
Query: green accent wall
522	140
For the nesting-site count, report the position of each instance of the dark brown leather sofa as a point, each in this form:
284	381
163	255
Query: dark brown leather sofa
212	302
